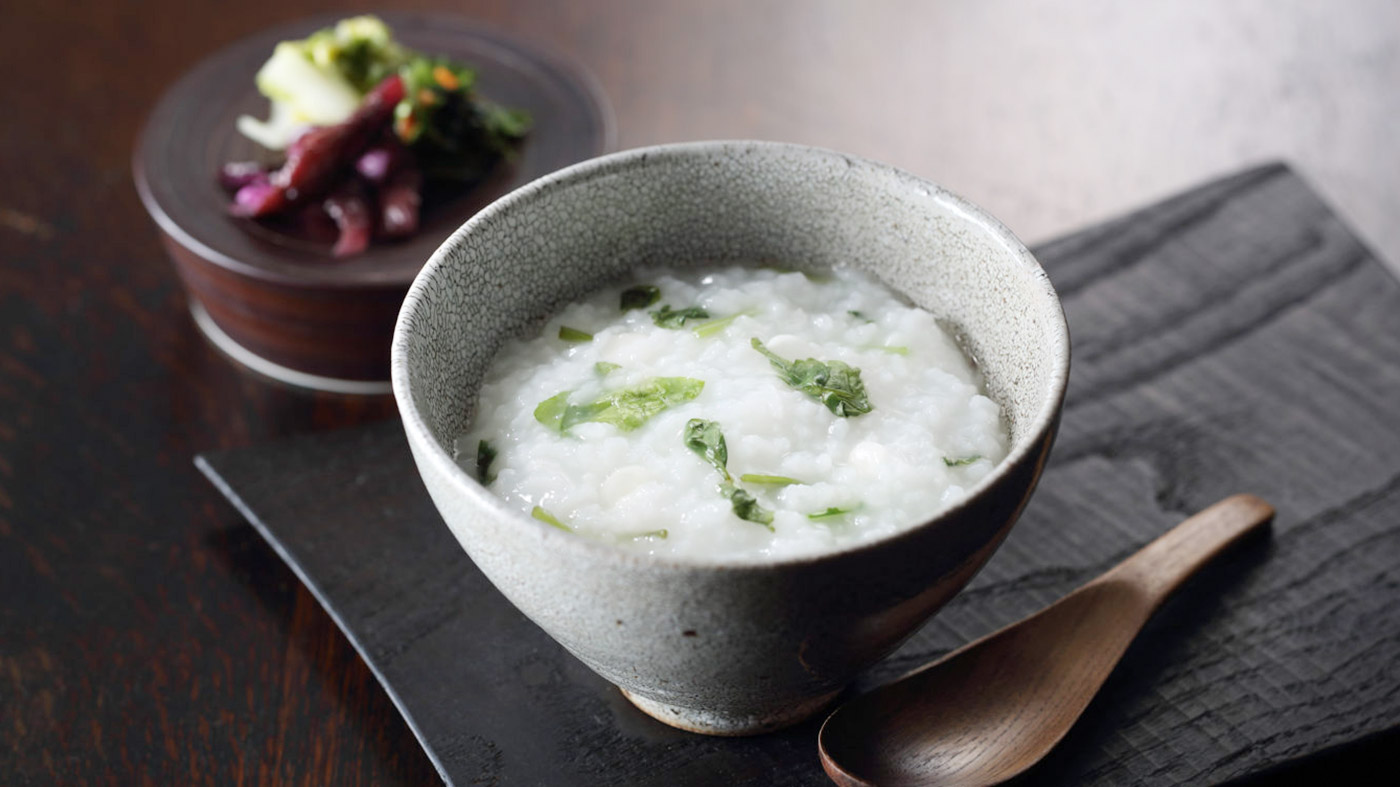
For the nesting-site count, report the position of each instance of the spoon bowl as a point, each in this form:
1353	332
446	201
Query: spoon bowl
993	708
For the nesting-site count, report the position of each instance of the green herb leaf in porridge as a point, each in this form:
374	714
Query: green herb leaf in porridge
549	519
639	297
626	408
485	455
833	512
745	506
705	438
892	349
707	329
961	461
675	319
551	411
602	368
769	480
647	536
833	383
574	335
633	406
859	315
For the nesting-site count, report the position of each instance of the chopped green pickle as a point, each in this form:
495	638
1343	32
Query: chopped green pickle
961	461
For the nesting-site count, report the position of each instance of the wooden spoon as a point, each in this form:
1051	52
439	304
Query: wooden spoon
993	708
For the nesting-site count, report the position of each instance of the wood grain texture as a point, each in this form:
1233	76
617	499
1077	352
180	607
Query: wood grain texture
1235	338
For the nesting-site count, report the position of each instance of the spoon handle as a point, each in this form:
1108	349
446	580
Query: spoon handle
1159	568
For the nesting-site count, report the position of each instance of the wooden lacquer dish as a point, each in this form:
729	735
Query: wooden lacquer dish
278	301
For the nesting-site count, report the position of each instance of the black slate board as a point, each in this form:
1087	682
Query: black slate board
1236	338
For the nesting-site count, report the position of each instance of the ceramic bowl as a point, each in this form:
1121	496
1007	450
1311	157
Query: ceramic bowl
727	646
276	300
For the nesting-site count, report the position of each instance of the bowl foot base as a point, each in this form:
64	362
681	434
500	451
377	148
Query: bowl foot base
710	722
242	355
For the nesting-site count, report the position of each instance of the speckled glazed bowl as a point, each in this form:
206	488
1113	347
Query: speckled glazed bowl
734	646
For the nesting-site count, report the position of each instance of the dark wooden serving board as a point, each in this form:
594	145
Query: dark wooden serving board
1235	338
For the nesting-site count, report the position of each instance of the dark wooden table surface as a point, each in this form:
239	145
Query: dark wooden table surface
147	634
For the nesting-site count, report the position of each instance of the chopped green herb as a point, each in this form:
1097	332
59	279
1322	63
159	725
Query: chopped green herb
549	519
485	455
959	462
551	411
770	480
660	534
675	319
602	368
626	408
833	383
707	329
859	316
705	438
833	512
745	506
639	297
892	349
574	335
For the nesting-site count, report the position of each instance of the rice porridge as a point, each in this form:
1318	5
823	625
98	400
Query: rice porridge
735	413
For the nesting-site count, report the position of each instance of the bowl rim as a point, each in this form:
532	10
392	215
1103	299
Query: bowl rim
1041	426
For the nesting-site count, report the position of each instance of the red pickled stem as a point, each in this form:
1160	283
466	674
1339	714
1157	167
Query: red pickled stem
320	156
349	207
400	201
236	174
258	198
383	158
